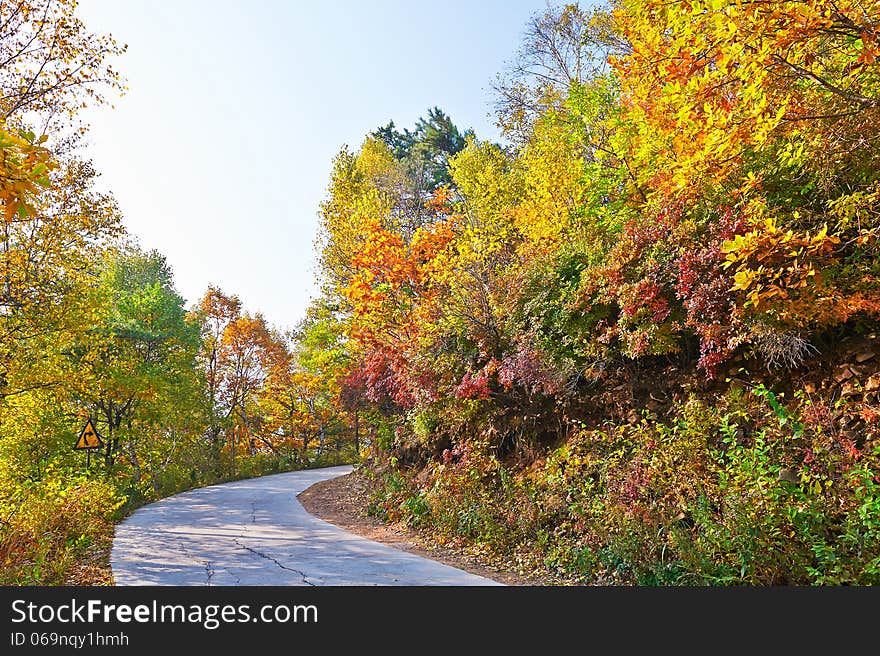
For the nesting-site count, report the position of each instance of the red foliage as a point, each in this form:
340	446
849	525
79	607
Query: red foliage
703	287
646	301
475	385
353	388
817	415
525	369
382	380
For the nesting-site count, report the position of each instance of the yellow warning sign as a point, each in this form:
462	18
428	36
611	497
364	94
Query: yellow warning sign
89	437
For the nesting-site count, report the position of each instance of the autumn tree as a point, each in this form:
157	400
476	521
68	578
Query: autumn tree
91	326
661	198
50	64
362	187
563	47
712	84
389	180
50	67
238	351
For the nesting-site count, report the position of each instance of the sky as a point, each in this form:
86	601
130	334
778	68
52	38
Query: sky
219	154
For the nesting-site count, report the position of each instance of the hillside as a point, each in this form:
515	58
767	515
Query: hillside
636	343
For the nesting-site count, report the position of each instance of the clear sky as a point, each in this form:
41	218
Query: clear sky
220	153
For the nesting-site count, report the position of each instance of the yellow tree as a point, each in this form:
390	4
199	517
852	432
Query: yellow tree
50	64
294	410
709	82
50	67
363	187
769	111
237	352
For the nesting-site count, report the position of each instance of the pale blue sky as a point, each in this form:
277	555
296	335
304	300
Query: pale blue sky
220	153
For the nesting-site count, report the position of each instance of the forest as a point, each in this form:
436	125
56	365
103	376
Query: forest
91	326
634	342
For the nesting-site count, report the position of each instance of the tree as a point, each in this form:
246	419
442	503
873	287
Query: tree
237	353
426	150
710	86
563	47
50	64
363	186
137	361
323	353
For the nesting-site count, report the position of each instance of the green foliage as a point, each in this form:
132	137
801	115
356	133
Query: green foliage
427	149
697	501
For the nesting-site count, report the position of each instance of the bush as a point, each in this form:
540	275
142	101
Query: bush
48	525
741	491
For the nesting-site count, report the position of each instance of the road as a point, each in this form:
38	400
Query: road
256	532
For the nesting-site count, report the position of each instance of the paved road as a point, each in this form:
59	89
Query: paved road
256	532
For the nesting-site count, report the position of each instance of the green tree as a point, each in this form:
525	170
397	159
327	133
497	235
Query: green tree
137	362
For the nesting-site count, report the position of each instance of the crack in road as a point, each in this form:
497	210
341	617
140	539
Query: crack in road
232	573
248	532
262	555
209	567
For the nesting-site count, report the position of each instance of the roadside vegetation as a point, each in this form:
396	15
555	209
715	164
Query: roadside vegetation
636	342
92	326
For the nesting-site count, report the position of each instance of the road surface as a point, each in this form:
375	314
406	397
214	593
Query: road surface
256	532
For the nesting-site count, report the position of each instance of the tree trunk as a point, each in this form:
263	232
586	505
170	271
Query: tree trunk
108	446
305	450
132	455
232	448
215	450
357	445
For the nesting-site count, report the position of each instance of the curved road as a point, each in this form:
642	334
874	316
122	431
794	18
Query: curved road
256	532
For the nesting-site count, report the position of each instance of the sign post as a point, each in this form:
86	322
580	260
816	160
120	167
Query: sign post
88	439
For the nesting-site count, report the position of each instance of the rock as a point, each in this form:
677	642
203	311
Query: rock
864	356
848	389
788	474
843	373
853	434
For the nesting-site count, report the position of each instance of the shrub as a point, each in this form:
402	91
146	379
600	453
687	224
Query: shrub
49	524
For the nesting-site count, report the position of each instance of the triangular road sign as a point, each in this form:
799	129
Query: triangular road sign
89	437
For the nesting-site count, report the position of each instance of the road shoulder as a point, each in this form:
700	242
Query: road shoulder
340	501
